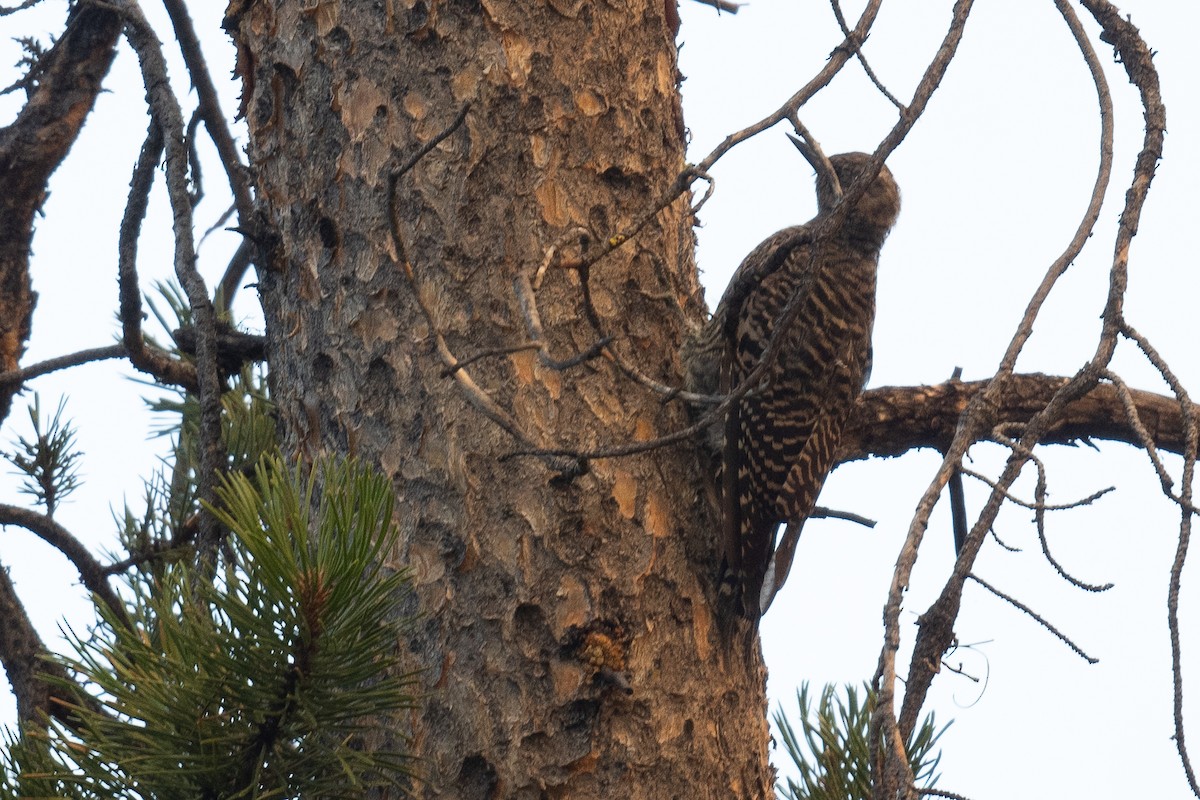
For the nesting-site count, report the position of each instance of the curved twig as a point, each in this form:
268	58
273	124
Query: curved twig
148	359
91	573
167	115
19	376
936	629
1037	617
210	109
862	59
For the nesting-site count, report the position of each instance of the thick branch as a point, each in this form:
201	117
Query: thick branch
21	652
892	420
91	573
31	148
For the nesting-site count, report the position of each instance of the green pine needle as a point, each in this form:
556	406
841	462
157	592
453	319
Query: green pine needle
832	752
280	679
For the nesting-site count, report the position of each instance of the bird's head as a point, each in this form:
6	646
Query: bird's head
879	206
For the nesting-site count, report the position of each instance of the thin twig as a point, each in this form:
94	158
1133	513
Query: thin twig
148	359
1037	617
6	10
862	59
1143	435
821	512
1040	507
937	624
942	793
719	5
424	149
491	353
210	111
19	376
1010	497
167	115
91	573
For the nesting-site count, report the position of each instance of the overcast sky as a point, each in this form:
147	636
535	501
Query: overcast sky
994	178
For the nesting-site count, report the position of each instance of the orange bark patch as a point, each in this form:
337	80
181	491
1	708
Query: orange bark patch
657	516
356	104
573	609
625	493
553	203
552	381
566	677
523	366
539	150
518	53
584	764
590	103
415	106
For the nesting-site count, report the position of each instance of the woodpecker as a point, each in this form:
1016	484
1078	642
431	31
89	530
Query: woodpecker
779	442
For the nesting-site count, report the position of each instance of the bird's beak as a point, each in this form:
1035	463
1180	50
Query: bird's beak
809	154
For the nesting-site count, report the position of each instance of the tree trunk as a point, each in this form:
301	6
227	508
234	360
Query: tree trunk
566	634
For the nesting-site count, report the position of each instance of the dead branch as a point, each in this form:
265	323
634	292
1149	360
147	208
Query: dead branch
25	374
892	420
1033	506
719	5
168	117
144	357
936	626
1037	617
23	654
209	110
91	573
32	147
856	45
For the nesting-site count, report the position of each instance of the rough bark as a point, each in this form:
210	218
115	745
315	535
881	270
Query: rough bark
567	632
22	654
892	420
67	81
61	92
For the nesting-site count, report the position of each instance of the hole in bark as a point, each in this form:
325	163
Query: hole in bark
418	16
529	623
328	232
615	176
339	38
476	777
322	367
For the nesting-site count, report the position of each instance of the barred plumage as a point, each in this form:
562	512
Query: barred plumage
779	442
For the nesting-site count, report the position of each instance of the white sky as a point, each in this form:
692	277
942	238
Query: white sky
994	178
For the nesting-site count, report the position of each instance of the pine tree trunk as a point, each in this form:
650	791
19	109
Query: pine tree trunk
566	634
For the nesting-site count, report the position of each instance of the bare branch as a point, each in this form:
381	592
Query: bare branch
856	45
1037	617
23	654
32	147
148	359
210	109
167	115
91	573
719	5
1010	497
6	10
25	374
891	420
